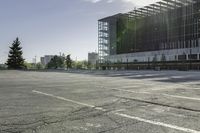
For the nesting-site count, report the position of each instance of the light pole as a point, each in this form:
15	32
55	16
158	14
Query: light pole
35	62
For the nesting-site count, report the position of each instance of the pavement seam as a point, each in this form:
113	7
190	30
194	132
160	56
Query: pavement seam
160	104
149	93
121	114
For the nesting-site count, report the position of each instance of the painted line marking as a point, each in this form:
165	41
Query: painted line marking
158	123
131	91
132	86
68	100
168	95
121	114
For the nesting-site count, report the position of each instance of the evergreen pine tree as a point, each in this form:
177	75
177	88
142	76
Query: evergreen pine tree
15	59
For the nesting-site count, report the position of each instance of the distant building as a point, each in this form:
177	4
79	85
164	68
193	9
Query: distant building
93	58
46	59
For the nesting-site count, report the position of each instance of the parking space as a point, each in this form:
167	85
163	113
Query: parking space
100	101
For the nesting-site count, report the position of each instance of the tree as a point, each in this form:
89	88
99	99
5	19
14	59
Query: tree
56	62
15	58
39	66
69	61
2	67
28	65
84	64
34	66
79	65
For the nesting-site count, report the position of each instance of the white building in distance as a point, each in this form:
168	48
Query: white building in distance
93	58
46	59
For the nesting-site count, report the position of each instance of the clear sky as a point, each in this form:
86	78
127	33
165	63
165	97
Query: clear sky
53	26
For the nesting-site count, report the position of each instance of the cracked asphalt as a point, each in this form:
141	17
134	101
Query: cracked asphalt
100	102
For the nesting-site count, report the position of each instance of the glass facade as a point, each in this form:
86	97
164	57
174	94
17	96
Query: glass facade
168	24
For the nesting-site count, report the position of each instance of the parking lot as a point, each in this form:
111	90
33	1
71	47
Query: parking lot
100	102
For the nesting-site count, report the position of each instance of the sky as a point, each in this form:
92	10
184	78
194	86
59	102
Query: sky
48	27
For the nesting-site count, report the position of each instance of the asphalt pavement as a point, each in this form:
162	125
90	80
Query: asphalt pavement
100	102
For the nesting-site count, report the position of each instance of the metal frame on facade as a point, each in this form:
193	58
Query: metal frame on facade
168	24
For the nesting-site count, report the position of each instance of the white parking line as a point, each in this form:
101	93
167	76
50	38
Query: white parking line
68	100
121	114
131	86
159	123
168	95
131	91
